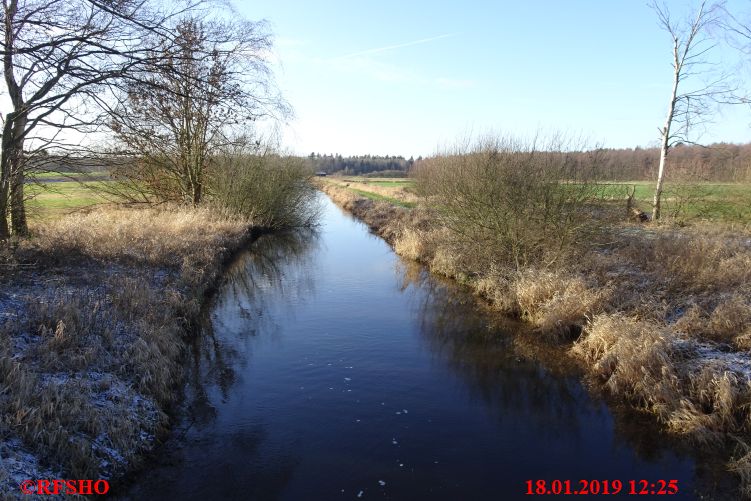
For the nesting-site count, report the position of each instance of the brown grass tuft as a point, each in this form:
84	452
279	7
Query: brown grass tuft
556	302
632	358
91	360
158	237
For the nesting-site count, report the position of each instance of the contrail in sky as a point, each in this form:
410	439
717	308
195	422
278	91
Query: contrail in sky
397	46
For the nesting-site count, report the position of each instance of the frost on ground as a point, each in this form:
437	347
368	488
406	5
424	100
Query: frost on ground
17	464
93	313
83	368
702	354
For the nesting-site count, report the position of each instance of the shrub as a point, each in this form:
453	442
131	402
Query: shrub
272	190
523	202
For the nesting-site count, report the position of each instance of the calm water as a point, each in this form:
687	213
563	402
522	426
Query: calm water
332	370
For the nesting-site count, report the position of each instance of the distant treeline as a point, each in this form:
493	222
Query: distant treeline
717	162
722	162
360	164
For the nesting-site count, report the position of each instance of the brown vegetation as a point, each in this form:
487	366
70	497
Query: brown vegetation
658	315
95	310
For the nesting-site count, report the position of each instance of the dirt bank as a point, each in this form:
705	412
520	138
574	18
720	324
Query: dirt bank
94	309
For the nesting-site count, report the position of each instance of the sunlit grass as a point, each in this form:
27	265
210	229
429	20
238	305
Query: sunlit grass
377	197
722	202
52	200
78	176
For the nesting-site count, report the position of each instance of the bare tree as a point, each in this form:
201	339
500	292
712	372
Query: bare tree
690	108
204	92
60	59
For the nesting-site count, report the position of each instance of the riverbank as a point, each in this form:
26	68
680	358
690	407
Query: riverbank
658	317
95	310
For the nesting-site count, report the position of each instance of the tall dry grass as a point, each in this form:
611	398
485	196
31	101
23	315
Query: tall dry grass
90	355
149	235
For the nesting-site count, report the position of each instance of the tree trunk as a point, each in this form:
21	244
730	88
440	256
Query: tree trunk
4	229
197	189
18	223
19	226
14	133
665	146
5	171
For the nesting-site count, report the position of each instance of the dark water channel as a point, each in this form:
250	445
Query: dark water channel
331	369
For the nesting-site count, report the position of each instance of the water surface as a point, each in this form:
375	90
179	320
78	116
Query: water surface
331	369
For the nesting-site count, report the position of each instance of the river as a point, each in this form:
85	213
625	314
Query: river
329	368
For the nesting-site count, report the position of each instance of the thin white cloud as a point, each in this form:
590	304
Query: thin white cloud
397	46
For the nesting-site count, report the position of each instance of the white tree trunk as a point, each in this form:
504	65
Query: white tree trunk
665	146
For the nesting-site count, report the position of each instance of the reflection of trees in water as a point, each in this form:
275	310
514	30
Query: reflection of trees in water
274	270
273	264
482	352
514	373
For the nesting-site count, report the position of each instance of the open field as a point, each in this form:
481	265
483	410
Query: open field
395	191
54	199
721	202
726	202
67	175
400	182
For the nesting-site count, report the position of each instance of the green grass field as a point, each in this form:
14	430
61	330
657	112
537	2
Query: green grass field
383	198
388	183
727	202
45	176
722	202
49	200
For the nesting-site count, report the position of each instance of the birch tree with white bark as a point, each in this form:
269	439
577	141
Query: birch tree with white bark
696	85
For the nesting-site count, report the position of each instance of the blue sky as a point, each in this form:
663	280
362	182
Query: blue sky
407	78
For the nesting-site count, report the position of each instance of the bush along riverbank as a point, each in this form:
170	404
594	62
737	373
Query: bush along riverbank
95	308
658	316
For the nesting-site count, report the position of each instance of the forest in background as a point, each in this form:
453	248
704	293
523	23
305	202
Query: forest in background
719	162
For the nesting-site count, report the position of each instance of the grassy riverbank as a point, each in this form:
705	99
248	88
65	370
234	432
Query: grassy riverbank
95	308
658	316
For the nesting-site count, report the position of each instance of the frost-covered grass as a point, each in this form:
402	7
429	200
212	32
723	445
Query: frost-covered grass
93	311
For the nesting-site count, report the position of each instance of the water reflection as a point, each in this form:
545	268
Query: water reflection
499	360
481	349
274	271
